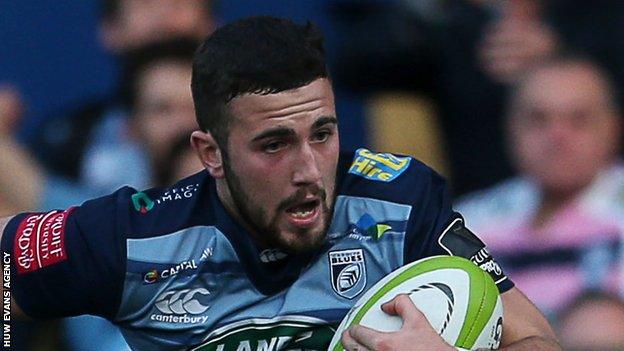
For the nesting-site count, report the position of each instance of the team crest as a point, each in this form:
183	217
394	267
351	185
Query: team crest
348	272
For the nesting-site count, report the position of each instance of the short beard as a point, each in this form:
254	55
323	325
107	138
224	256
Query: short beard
268	231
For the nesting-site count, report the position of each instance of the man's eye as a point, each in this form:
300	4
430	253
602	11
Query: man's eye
274	146
321	136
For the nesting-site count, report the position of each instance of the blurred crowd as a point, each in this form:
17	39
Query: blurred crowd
517	102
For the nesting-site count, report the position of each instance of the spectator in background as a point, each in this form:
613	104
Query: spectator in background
128	151
126	26
131	24
594	321
180	162
16	189
97	144
558	226
119	150
20	187
161	112
466	55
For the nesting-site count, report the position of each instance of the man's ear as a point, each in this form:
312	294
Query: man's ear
209	152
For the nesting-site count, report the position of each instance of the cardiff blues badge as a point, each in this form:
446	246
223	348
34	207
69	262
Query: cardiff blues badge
348	272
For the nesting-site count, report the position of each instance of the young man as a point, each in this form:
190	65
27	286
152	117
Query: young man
246	254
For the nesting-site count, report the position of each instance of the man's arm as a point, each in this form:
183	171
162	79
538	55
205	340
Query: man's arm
16	311
524	328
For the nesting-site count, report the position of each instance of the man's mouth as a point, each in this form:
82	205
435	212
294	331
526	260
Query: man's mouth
304	214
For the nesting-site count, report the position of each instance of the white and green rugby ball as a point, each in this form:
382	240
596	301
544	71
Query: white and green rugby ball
460	300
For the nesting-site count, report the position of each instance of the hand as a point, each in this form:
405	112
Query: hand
416	333
511	46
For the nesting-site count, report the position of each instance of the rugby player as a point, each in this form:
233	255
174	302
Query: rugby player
269	247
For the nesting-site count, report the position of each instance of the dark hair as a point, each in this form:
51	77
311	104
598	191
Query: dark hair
136	61
263	55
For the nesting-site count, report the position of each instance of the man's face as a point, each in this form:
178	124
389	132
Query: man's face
164	107
563	127
281	164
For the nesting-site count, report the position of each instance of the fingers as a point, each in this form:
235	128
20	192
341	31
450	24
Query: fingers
351	344
369	338
416	329
402	305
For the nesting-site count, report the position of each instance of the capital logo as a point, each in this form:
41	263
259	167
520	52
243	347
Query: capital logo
347	272
151	276
185	268
207	253
142	202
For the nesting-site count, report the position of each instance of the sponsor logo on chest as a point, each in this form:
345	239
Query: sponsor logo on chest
280	333
184	306
154	275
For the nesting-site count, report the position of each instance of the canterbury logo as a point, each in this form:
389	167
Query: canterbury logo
182	301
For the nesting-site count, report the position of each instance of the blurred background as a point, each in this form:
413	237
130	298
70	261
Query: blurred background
517	102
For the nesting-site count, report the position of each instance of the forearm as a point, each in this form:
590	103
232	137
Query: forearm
534	343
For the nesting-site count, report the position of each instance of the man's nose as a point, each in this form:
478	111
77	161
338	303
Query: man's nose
306	168
560	131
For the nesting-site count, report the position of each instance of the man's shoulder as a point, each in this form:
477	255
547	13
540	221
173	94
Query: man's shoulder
155	211
385	176
604	197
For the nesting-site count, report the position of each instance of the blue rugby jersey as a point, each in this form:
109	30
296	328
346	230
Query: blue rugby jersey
174	271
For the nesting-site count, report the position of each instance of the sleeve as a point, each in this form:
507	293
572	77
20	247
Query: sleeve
68	262
435	229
